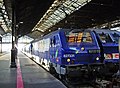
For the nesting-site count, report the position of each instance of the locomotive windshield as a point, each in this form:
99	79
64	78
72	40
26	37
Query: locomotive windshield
79	37
115	37
105	38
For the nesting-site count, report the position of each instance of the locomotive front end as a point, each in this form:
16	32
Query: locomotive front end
82	57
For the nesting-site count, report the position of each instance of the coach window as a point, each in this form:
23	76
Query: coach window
54	40
51	42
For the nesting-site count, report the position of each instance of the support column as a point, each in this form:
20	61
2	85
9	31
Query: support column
16	44
119	56
13	62
1	45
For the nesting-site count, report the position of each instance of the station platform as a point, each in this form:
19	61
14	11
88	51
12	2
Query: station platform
27	74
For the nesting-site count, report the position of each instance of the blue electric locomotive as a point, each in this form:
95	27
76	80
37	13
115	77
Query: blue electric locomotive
108	42
68	53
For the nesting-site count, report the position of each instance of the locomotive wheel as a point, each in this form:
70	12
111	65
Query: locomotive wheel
53	71
61	76
112	67
51	68
68	79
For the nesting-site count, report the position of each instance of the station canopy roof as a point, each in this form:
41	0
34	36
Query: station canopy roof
39	17
4	20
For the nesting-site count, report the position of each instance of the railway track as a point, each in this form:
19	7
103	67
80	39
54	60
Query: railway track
97	84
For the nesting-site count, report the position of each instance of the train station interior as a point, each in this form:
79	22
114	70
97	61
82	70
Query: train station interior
38	51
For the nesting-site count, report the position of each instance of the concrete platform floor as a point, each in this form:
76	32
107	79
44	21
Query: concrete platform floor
29	75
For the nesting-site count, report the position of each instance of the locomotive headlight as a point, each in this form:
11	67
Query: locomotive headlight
68	60
97	58
82	48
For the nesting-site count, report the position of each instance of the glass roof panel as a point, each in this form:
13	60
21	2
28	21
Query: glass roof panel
68	11
81	1
52	19
59	14
45	24
68	2
72	8
58	11
69	5
76	5
56	17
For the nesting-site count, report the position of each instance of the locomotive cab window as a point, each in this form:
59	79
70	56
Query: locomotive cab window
115	37
105	38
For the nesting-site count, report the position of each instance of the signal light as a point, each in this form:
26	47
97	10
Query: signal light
57	59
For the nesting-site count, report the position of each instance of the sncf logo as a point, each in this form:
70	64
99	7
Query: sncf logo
112	56
115	56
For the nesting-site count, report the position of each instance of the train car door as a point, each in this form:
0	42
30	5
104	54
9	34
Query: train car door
52	49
